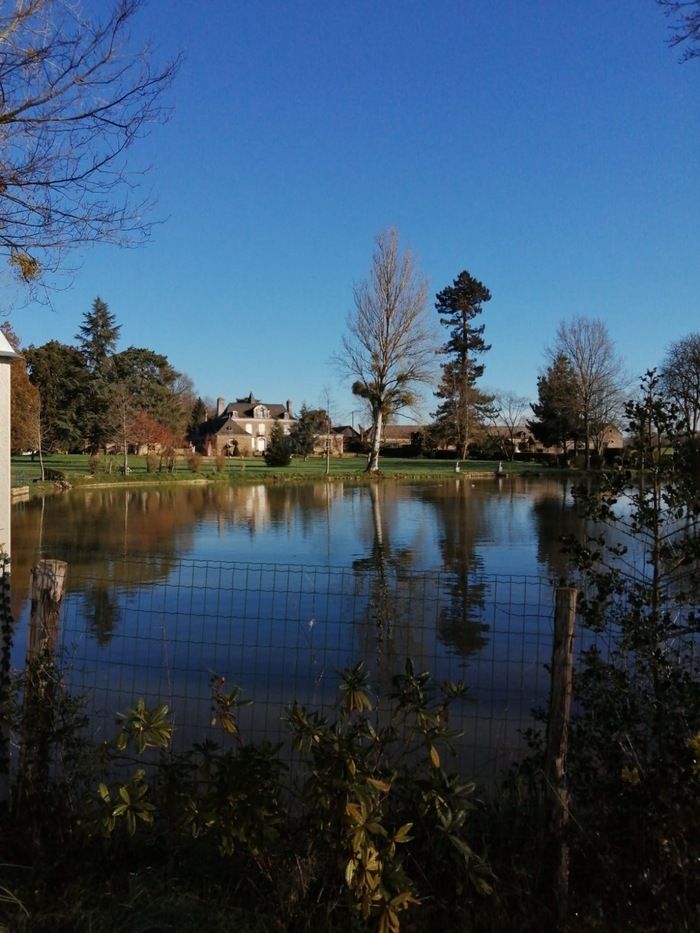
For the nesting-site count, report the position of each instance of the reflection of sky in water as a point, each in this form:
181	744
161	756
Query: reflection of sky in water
451	574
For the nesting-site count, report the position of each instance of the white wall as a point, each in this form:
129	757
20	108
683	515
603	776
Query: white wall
7	354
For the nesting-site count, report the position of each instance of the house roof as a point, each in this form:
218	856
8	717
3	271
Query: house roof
244	408
404	431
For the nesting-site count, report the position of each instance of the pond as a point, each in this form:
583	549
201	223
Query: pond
277	587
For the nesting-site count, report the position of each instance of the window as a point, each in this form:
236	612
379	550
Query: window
261	429
249	428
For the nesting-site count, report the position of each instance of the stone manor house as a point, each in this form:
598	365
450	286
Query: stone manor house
243	427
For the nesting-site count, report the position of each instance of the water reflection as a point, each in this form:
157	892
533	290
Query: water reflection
277	586
461	517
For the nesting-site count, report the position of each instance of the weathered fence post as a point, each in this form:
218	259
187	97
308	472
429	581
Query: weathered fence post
48	582
557	740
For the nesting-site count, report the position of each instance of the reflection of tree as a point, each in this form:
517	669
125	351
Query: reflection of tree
460	510
555	516
389	593
126	536
101	612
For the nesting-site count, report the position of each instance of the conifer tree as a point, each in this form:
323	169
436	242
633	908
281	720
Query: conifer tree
557	412
464	405
278	452
97	339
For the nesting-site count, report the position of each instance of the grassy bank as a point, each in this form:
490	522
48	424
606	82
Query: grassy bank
75	468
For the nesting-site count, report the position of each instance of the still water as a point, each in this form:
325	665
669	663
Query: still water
276	587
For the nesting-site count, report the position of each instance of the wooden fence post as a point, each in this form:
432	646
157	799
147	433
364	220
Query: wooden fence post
557	740
48	583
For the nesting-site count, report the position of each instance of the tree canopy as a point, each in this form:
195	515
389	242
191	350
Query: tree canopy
93	395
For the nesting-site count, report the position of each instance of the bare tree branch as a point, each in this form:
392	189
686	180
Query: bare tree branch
74	96
685	28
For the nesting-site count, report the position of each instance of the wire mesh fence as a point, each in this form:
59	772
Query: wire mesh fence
281	632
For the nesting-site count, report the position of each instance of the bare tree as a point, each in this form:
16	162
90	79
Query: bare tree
508	417
388	347
680	378
74	95
685	28
598	374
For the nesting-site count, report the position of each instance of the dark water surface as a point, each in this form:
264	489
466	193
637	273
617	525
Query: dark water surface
276	587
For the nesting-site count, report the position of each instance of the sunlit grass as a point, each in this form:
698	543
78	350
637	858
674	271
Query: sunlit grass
76	469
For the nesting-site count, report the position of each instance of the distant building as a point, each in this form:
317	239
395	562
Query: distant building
348	436
243	427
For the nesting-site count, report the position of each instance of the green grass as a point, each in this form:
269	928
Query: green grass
76	468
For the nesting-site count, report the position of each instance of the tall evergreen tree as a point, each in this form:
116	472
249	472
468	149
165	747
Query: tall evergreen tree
463	404
557	413
97	339
197	418
97	336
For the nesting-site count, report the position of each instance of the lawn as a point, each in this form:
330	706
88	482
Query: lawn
76	469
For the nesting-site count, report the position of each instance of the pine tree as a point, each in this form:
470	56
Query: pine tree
197	418
557	413
98	335
278	452
97	340
463	406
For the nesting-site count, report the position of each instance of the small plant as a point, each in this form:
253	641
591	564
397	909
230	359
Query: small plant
194	462
151	462
220	462
94	464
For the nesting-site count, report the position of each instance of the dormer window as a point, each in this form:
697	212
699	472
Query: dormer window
261	412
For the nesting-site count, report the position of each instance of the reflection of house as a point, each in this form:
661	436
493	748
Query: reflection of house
243	427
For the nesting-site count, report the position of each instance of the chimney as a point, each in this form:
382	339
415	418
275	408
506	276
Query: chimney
220	405
289	408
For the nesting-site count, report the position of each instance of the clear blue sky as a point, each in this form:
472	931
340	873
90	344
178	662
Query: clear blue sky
549	147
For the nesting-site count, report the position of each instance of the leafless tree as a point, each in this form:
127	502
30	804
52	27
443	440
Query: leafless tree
685	28
388	347
680	377
508	415
598	372
74	95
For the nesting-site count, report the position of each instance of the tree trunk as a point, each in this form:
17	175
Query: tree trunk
373	459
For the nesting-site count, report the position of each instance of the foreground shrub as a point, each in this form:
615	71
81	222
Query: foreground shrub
371	828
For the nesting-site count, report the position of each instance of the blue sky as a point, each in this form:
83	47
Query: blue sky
549	147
